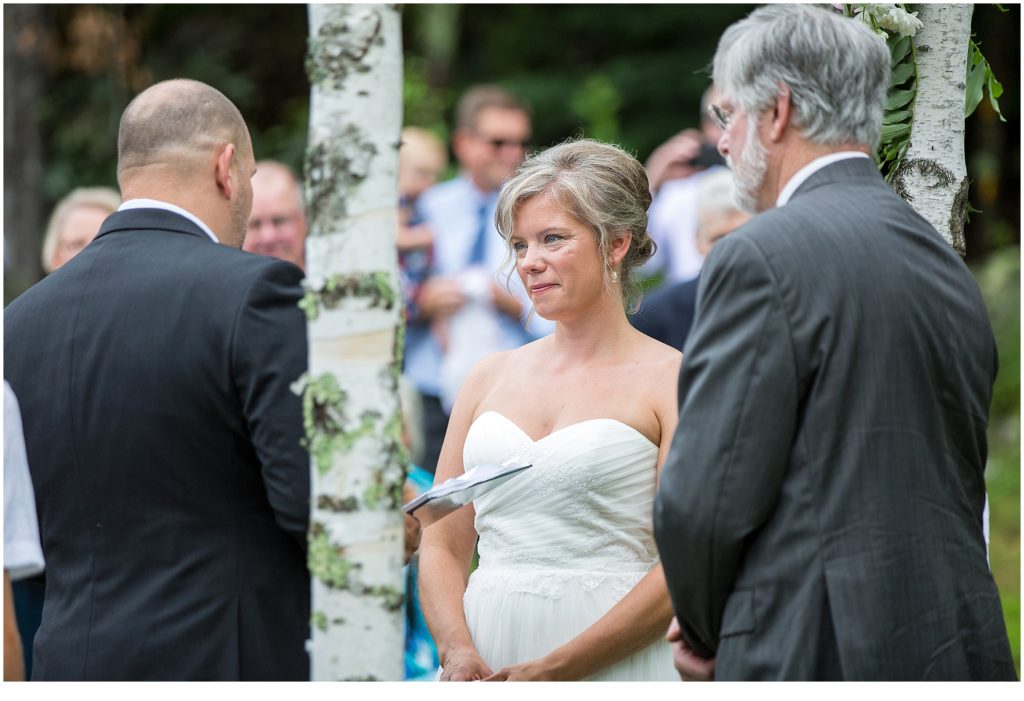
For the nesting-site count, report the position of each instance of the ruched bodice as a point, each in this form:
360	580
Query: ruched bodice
585	504
562	542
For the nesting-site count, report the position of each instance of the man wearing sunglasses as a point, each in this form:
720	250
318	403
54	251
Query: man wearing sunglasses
465	310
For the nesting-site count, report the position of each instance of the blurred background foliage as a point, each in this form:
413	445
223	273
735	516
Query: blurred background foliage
632	74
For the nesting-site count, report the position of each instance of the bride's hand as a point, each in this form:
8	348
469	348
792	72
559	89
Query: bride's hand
691	668
464	666
539	670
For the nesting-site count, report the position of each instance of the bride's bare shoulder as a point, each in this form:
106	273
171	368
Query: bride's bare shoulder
659	354
493	366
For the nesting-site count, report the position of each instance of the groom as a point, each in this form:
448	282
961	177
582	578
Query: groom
820	513
153	372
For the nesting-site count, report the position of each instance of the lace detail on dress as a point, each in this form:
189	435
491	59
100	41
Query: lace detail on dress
551	584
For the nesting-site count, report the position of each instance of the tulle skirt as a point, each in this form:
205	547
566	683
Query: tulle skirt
517	615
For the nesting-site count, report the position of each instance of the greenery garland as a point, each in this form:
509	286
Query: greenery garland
898	26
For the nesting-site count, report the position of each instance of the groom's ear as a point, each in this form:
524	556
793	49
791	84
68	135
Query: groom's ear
781	113
223	170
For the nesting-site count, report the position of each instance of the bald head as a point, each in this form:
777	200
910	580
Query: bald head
174	122
184	143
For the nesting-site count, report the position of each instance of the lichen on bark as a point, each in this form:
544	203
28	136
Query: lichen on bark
339	47
327	561
375	287
332	169
325	502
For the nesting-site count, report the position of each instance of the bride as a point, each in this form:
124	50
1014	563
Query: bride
568	584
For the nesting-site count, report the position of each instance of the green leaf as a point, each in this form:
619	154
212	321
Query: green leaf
995	89
899	49
901	73
897	117
894	131
898	98
973	92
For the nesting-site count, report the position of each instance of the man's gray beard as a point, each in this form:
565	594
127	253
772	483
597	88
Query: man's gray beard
748	171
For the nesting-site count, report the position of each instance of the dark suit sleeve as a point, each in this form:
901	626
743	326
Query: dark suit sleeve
270	353
738	393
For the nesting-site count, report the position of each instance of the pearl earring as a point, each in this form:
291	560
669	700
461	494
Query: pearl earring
615	276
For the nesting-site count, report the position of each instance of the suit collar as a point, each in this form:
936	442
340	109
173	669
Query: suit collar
149	203
157	219
845	171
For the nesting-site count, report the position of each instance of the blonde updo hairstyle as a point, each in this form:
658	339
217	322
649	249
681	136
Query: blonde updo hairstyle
600	185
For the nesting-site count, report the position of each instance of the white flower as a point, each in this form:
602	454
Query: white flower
899	20
892	17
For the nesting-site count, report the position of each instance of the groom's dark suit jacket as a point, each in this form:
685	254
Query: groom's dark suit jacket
153	374
820	512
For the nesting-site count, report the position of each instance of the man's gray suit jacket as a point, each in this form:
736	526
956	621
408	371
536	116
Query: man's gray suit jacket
820	512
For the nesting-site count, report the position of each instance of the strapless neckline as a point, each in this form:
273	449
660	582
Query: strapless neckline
562	543
567	427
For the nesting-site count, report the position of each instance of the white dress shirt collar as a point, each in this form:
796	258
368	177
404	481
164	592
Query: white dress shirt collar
810	169
144	203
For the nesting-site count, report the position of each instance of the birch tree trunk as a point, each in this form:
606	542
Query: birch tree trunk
933	175
353	422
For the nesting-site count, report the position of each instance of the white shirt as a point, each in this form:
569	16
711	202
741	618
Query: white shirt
23	555
143	203
810	169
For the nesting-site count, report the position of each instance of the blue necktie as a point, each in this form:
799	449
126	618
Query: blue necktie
477	253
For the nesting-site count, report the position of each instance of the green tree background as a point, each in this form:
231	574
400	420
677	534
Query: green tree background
632	74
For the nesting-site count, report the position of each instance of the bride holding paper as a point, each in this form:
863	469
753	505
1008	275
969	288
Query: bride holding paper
568	584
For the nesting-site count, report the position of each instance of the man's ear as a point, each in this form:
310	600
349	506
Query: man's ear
223	171
780	115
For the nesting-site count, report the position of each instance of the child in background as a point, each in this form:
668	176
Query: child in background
422	158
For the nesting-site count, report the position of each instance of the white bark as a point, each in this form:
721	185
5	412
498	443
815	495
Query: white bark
933	175
356	552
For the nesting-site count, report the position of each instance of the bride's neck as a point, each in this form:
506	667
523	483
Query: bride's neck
596	335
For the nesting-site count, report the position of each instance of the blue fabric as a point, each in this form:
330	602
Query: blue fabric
476	255
421	661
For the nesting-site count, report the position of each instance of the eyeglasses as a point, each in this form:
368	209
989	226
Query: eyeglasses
274	222
719	116
498	144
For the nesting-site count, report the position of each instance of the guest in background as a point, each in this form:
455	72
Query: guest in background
675	170
23	555
422	158
75	222
667	314
277	224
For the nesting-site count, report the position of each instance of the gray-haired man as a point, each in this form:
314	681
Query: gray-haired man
820	514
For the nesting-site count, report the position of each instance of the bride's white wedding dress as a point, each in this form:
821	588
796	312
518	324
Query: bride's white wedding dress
562	542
